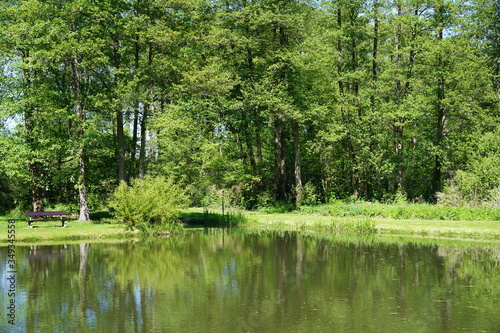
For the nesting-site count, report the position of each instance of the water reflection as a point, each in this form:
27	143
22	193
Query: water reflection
215	281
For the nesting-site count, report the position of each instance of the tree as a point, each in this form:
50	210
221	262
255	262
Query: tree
264	101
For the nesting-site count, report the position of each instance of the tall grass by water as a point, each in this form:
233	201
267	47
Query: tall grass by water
213	219
348	226
405	211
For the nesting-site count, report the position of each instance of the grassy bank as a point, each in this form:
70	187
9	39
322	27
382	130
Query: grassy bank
413	220
404	211
76	230
408	220
383	226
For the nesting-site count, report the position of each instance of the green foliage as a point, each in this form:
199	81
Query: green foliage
479	182
310	196
71	209
155	230
277	208
148	203
359	100
6	195
105	216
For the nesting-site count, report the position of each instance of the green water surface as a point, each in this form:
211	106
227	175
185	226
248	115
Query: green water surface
216	281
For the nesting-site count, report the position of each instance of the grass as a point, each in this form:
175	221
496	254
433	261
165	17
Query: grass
365	221
107	228
441	228
408	220
75	230
212	219
405	211
303	222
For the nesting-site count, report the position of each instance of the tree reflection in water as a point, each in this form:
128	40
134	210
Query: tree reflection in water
253	282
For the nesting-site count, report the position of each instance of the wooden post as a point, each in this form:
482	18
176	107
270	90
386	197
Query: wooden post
223	208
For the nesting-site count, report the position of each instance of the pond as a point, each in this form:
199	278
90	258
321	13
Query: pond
215	281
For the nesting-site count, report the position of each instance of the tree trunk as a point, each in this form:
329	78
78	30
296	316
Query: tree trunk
152	147
398	126
121	144
375	44
436	185
440	136
36	191
259	146
339	55
401	94
248	142
120	135
82	186
142	149
279	161
82	154
135	128
133	149
368	171
350	146
251	156
355	168
258	159
299	189
34	167
145	114
236	133
398	149
496	82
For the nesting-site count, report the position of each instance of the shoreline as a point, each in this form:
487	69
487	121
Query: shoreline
468	231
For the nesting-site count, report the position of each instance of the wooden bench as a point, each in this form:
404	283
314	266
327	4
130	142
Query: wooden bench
47	216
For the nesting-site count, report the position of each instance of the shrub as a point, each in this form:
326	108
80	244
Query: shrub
147	202
310	195
477	184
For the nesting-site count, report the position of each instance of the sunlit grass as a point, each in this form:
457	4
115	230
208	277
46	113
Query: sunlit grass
404	211
303	222
441	228
381	225
359	220
52	230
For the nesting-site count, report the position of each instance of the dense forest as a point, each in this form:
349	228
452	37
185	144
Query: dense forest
262	101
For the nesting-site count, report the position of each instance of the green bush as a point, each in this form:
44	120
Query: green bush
148	202
478	182
310	196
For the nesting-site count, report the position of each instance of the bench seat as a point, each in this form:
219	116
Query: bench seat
47	216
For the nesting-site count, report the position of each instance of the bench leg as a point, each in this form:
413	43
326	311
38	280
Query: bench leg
30	224
63	224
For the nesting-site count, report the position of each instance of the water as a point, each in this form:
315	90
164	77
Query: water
284	282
